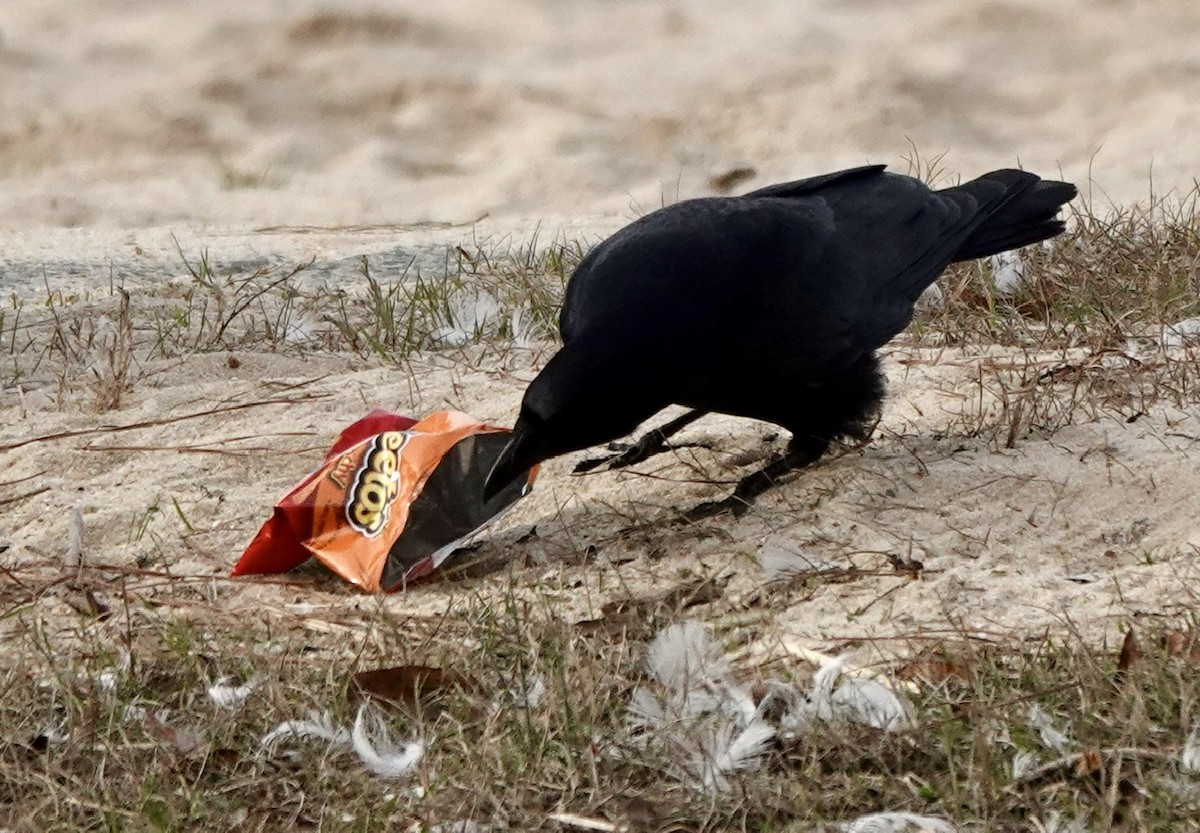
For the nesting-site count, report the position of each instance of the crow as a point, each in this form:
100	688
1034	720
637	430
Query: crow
769	305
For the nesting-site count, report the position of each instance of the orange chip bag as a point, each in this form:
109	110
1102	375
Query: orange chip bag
393	498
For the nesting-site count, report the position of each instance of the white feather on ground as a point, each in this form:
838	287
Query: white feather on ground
107	680
1189	758
301	330
528	694
374	746
461	826
1051	738
931	299
1008	272
225	696
1055	823
471	315
898	823
685	657
856	700
646	714
319	726
1023	763
55	734
533	694
706	724
134	713
523	327
779	564
110	677
729	750
709	726
865	701
381	754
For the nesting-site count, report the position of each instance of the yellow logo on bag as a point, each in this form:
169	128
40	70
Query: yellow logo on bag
376	484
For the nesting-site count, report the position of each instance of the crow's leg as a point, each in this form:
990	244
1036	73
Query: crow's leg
652	442
800	453
865	432
849	406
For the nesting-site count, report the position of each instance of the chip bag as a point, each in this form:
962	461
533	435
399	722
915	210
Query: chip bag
393	498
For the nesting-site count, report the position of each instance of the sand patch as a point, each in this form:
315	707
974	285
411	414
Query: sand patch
1085	527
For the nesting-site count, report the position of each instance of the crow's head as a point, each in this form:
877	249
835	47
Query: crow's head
584	396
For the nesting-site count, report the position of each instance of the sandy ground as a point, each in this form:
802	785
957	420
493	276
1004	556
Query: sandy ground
1088	528
284	130
127	115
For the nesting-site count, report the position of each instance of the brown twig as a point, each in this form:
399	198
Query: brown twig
18	498
154	423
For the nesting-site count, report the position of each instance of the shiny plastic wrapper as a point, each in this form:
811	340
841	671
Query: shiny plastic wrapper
390	503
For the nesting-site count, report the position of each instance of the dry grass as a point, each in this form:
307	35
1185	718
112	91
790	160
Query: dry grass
1079	338
96	743
1112	277
106	342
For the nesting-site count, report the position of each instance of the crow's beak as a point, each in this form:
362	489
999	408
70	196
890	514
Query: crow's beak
514	462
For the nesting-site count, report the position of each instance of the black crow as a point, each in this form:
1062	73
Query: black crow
769	305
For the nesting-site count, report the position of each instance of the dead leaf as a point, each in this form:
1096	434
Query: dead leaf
406	685
725	182
1182	645
1131	653
225	757
86	603
185	740
1088	762
933	672
939	664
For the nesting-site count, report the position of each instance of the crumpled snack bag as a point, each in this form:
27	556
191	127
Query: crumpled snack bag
393	498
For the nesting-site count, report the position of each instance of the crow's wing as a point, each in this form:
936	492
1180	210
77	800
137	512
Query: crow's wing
649	248
668	273
802	187
799	279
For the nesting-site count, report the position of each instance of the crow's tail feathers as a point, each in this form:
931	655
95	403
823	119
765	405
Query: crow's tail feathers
1026	213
